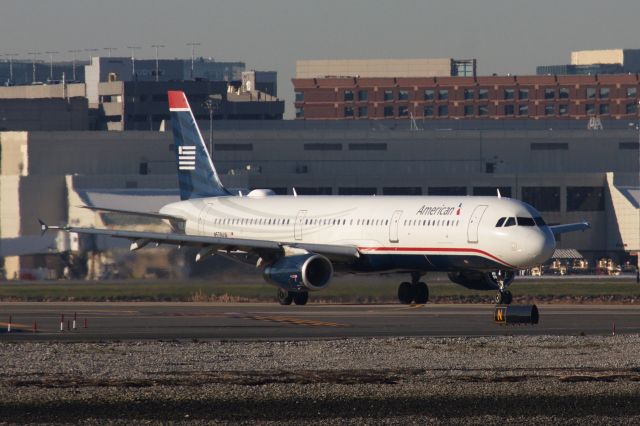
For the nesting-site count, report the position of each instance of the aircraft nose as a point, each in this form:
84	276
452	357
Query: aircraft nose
542	246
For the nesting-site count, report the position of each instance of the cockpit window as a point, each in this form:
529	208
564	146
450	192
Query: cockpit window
526	221
510	222
539	221
500	222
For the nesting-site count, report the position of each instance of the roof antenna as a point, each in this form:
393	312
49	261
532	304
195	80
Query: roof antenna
499	195
295	194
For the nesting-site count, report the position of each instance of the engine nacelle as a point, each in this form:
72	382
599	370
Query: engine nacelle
303	272
482	280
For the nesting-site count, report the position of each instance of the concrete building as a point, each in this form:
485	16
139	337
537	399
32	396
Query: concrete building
593	62
44	107
569	175
554	97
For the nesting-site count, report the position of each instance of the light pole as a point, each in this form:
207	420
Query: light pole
51	64
157	46
193	55
133	60
212	106
10	55
33	65
90	51
74	52
109	50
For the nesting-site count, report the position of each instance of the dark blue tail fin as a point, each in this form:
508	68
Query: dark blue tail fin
197	177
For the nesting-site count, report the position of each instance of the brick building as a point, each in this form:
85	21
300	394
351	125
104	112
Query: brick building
492	97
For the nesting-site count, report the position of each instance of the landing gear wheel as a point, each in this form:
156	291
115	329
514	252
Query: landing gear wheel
421	293
405	293
300	298
504	298
284	297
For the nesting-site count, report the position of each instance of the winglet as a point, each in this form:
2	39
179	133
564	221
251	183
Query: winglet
43	227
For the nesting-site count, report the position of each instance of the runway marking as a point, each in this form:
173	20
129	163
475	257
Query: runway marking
288	320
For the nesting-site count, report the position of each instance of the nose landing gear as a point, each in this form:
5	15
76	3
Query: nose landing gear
415	291
503	280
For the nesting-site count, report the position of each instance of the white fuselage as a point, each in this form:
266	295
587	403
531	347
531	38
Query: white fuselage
431	227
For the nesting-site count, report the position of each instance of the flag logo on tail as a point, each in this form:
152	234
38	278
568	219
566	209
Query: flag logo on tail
186	158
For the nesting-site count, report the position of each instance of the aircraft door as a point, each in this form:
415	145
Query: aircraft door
474	223
393	226
297	226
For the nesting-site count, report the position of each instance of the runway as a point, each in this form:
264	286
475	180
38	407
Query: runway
239	321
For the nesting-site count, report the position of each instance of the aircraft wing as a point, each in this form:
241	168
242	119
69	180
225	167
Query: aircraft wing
131	212
570	227
209	244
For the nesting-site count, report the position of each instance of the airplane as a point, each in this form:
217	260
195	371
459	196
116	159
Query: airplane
299	242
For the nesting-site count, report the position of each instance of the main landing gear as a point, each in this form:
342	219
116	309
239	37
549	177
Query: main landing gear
415	291
286	297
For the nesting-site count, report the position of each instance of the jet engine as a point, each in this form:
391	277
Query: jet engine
482	280
303	272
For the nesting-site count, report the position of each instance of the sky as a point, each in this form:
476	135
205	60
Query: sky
505	36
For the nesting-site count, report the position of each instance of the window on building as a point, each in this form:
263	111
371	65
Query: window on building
523	94
483	94
443	94
348	95
443	110
363	111
323	147
299	112
388	95
604	109
428	111
590	109
388	111
505	191
447	190
403	190
508	94
429	95
367	146
468	94
523	110
585	198
233	147
160	97
348	111
323	190
604	92
549	109
403	111
631	108
357	191
483	110
299	96
564	93
632	92
549	93
543	198
468	110
509	109
363	95
563	109
549	146
629	145
403	95
591	93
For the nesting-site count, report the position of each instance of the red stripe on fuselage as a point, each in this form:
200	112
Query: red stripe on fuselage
438	249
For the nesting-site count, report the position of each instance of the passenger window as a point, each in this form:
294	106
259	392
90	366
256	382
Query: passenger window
510	222
500	222
526	221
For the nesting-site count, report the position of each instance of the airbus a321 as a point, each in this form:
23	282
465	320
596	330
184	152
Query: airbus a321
299	242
